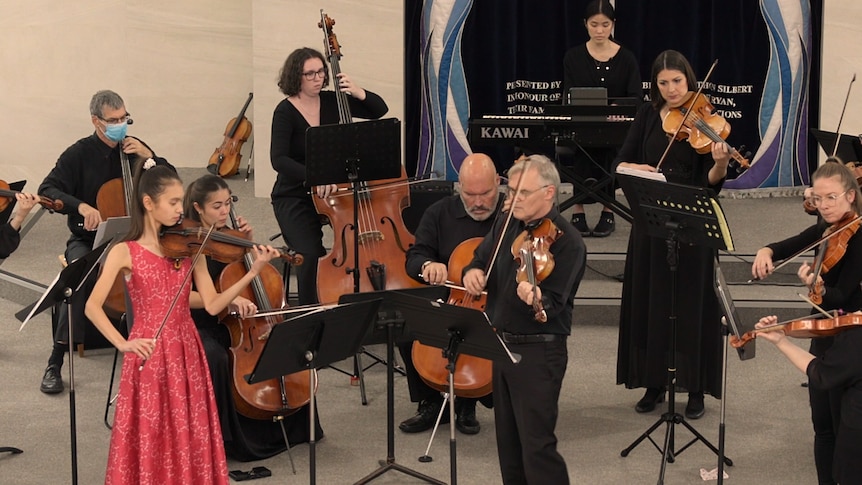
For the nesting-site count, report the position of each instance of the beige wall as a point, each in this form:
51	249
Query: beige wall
185	68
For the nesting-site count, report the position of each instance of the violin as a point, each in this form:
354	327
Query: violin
227	245
697	121
531	250
472	376
373	252
279	396
6	196
804	328
225	160
834	250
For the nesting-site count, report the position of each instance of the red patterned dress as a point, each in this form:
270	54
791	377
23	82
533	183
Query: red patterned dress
166	428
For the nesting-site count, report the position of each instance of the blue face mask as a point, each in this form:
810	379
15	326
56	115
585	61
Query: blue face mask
116	132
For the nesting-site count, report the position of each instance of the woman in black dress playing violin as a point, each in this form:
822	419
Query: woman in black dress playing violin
836	196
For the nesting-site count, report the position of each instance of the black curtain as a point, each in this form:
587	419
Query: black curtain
505	42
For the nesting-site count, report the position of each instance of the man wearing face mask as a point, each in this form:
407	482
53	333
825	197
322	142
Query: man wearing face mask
80	172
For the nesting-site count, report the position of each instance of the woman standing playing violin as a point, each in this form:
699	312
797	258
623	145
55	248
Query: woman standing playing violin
836	196
837	369
166	428
302	78
526	394
644	315
208	200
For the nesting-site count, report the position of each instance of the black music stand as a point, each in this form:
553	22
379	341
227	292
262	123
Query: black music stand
311	341
731	323
355	153
463	331
849	147
67	283
391	319
677	214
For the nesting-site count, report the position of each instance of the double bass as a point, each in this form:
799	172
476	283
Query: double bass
275	397
381	236
225	160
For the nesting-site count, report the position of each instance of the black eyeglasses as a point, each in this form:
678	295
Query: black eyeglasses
310	75
127	118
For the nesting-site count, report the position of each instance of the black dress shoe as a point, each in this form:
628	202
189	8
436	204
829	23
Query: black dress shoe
580	222
605	226
652	396
466	421
424	418
52	383
694	409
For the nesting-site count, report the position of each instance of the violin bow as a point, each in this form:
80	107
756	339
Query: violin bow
841	118
526	161
816	306
807	248
179	292
685	115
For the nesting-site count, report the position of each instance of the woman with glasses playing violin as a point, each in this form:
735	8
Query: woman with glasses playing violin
302	79
835	194
9	237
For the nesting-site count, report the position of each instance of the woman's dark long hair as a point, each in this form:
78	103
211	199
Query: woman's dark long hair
199	191
674	61
150	182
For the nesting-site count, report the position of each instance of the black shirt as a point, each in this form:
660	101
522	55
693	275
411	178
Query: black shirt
444	225
78	175
9	240
509	313
287	146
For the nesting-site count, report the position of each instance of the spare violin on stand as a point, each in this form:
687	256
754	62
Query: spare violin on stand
225	160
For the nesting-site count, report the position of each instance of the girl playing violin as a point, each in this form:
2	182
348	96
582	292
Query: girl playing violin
9	237
644	316
166	428
837	369
835	194
208	200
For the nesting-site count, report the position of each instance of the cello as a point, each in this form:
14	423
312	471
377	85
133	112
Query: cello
381	236
114	200
275	397
225	160
473	374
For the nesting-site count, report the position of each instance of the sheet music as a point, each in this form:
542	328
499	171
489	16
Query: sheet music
642	174
722	223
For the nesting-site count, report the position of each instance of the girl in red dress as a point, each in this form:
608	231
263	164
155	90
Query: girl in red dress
166	427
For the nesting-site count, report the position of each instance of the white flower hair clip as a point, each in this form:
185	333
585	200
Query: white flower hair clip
150	163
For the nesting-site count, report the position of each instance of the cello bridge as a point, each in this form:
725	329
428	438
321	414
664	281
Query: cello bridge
370	236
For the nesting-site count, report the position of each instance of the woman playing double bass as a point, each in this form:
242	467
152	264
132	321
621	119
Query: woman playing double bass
835	194
208	200
303	76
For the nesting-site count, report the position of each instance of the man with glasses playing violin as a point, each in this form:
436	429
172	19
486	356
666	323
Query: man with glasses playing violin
835	194
526	393
75	180
446	224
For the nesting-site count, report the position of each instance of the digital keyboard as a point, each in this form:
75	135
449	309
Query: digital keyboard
586	130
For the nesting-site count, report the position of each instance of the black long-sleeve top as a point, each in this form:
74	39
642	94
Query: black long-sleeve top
78	175
287	146
444	225
509	313
620	74
9	240
842	281
841	368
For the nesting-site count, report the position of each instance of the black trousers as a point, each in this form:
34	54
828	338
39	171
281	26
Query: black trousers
526	410
825	416
75	248
301	229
